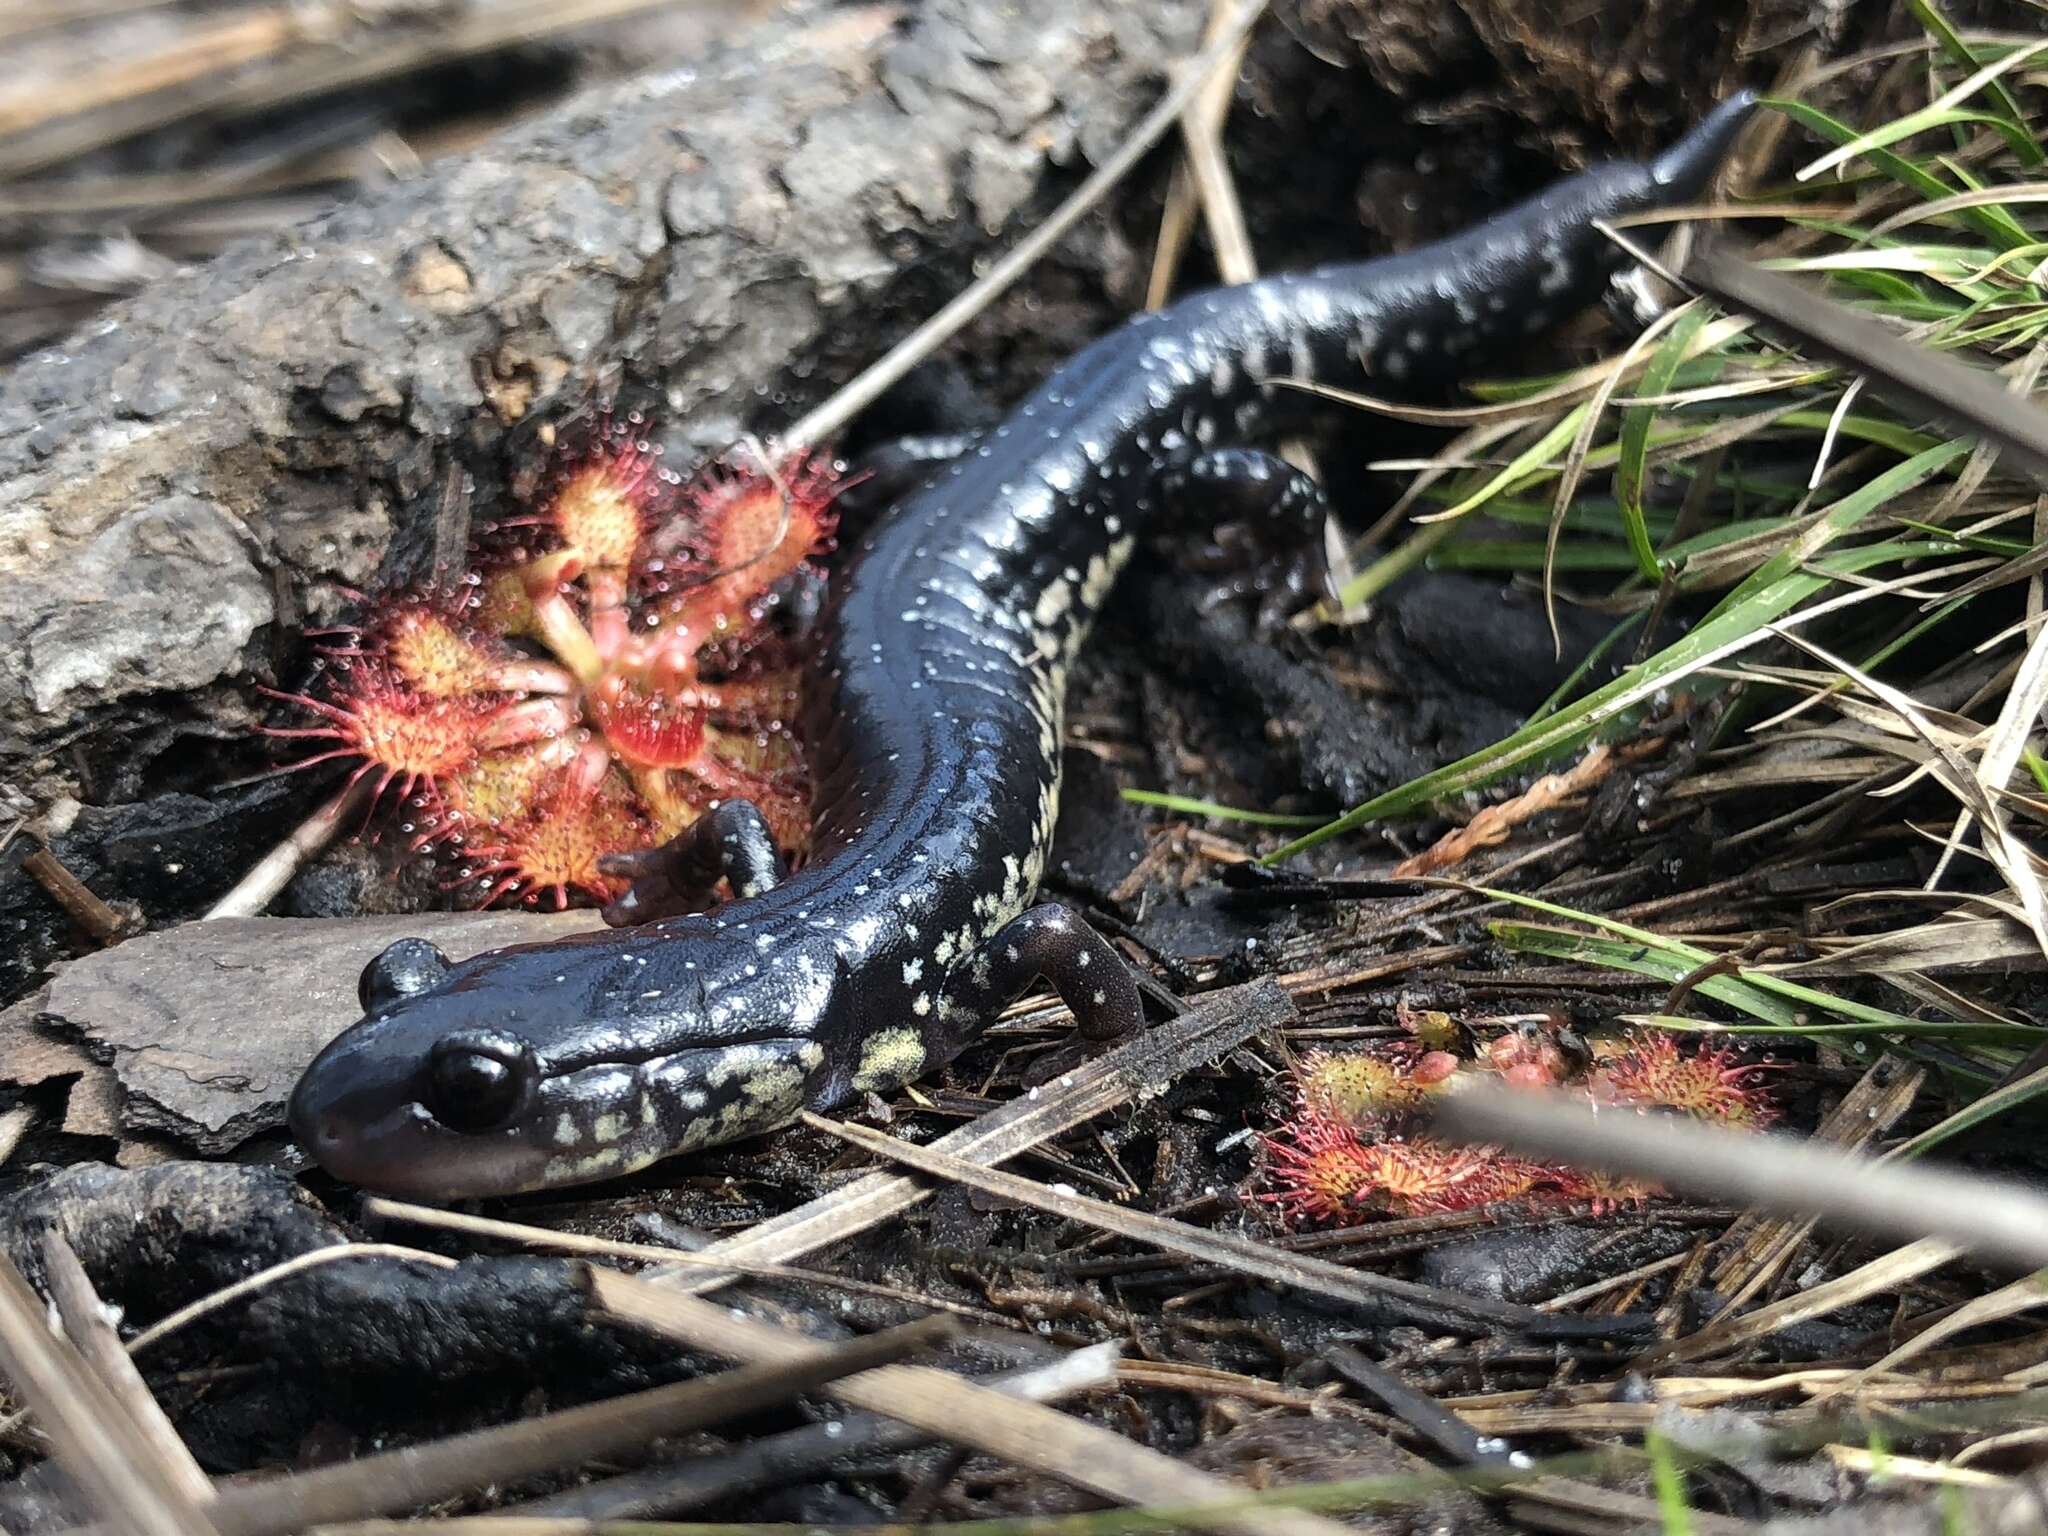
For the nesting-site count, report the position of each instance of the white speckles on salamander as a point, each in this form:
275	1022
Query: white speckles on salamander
936	715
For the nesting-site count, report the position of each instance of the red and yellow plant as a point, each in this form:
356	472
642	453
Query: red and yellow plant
1349	1152
603	674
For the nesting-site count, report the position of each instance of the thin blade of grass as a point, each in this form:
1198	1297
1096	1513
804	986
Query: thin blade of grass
1954	45
1659	962
1942	112
1631	465
1188	806
1530	463
1995	224
1674	952
1737	623
1573	678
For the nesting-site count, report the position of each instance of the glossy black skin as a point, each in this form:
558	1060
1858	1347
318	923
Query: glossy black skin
935	720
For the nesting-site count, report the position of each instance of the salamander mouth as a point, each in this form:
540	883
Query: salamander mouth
602	1121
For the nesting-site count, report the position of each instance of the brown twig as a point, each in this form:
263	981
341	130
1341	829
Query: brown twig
1998	1220
91	1435
101	923
1219	1022
959	1411
1405	1300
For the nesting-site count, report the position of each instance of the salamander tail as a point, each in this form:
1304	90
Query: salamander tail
1687	166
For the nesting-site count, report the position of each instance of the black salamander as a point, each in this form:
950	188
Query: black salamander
935	728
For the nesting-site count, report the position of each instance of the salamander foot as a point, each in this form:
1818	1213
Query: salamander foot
1090	977
731	842
1267	518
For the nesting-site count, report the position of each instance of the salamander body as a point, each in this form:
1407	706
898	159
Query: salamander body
934	718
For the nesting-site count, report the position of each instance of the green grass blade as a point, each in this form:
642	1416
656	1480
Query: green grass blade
1631	463
1191	807
1660	963
1842	516
1586	664
1868	429
1521	555
1955	1032
1995	224
2036	767
1768	594
1644	945
1669	1483
1999	1101
1531	463
1932	117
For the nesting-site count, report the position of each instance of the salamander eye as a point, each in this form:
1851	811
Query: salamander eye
404	968
478	1080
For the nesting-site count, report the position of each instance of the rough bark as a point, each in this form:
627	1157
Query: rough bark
222	456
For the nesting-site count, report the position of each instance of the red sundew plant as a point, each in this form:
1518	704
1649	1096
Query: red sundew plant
1707	1085
1358	1087
1604	1192
1329	1174
1334	1163
602	676
402	734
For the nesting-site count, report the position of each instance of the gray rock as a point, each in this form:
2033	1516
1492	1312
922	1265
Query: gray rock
207	1026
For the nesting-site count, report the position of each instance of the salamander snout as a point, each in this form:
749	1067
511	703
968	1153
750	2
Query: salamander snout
410	1102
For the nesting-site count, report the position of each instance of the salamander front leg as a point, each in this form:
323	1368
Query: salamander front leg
1248	496
1089	976
730	842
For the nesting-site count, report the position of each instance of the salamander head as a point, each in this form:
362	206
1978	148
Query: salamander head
549	1065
